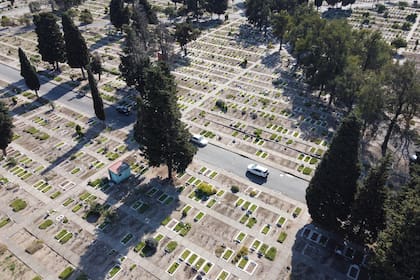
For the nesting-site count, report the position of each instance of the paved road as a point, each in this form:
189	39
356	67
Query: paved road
279	181
214	155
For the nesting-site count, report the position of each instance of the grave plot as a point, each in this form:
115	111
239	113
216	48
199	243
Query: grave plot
13	267
41	251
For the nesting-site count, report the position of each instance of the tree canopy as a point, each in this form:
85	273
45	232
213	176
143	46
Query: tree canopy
51	44
331	191
76	50
159	130
98	104
6	126
28	72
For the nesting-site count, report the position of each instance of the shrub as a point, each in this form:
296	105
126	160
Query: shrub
86	17
221	105
18	204
234	189
45	224
252	193
205	189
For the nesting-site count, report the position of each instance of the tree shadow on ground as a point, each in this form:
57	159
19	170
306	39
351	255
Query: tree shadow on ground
319	254
337	13
130	218
249	36
271	60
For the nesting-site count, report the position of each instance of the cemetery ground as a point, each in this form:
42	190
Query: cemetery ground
62	219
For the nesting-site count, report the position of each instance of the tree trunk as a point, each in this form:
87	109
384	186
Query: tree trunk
99	76
384	146
169	171
57	67
4	152
83	73
36	93
281	43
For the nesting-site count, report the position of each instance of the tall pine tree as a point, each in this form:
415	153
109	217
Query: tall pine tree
368	216
28	72
6	126
76	49
98	104
330	194
51	44
159	130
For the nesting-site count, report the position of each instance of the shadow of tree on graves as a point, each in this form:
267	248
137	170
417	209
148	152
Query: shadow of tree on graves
337	13
318	254
271	60
106	40
250	36
136	211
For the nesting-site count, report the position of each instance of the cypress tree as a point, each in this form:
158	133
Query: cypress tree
159	130
51	44
76	49
368	216
330	194
28	72
118	14
98	104
6	126
96	65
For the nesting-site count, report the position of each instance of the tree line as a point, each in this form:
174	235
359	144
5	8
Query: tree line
353	68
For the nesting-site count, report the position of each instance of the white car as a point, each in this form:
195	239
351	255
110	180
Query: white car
199	140
258	170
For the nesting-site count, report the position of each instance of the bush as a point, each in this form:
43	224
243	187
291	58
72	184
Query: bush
86	17
221	105
45	224
380	8
18	204
234	189
205	189
252	193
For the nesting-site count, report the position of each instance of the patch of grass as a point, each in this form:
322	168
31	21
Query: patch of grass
185	254
126	238
282	237
239	202
251	222
18	205
114	271
173	268
265	229
243	219
68	202
166	221
242	263
256	244
45	224
66	238
227	254
281	221
271	254
297	212
66	273
171	246
263	249
55	195
76	208
4	222
84	195
192	258
211	203
139	246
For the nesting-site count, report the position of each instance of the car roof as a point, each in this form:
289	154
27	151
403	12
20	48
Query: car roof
259	167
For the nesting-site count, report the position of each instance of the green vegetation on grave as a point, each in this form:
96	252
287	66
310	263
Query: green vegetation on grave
271	254
114	271
263	249
45	224
182	228
242	263
139	246
204	190
166	221
185	254
4	222
198	217
171	246
55	195
68	201
173	268
66	238
126	238
296	212
61	234
227	254
66	273
282	237
251	222
241	253
18	205
265	229
281	221
207	267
